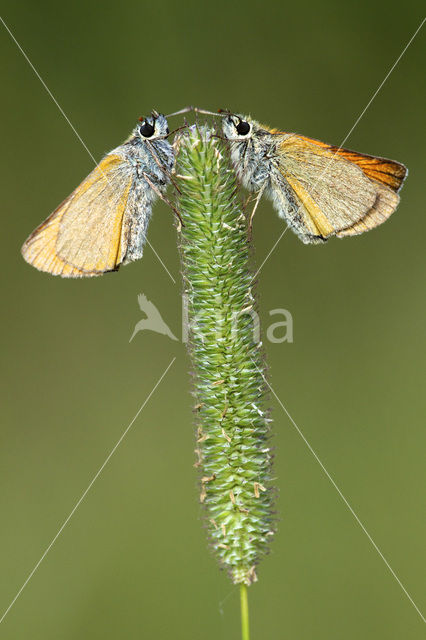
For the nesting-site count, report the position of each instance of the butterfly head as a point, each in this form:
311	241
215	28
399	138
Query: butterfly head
152	127
237	127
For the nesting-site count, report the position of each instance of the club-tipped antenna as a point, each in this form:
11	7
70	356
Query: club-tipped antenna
180	112
221	113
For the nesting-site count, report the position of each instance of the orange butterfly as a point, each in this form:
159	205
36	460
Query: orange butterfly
103	223
320	190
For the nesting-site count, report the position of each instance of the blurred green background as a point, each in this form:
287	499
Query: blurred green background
133	562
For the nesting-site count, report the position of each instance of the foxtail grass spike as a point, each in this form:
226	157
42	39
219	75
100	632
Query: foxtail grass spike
233	454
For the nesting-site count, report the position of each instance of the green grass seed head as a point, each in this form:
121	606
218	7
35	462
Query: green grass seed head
233	454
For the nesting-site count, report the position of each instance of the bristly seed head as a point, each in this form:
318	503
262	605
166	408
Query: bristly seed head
233	456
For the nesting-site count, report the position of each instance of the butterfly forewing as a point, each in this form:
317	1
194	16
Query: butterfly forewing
90	231
383	170
334	192
83	236
340	192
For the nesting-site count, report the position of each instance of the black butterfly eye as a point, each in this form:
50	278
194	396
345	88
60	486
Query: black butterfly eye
146	130
243	128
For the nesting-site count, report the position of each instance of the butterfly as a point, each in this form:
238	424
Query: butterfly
320	190
103	223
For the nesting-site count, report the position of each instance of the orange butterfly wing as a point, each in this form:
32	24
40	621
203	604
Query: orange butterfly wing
83	236
388	172
384	176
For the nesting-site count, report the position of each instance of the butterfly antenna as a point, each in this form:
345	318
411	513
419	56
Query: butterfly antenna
220	113
180	112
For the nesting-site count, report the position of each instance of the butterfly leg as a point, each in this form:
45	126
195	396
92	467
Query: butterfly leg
259	195
164	199
247	200
161	166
